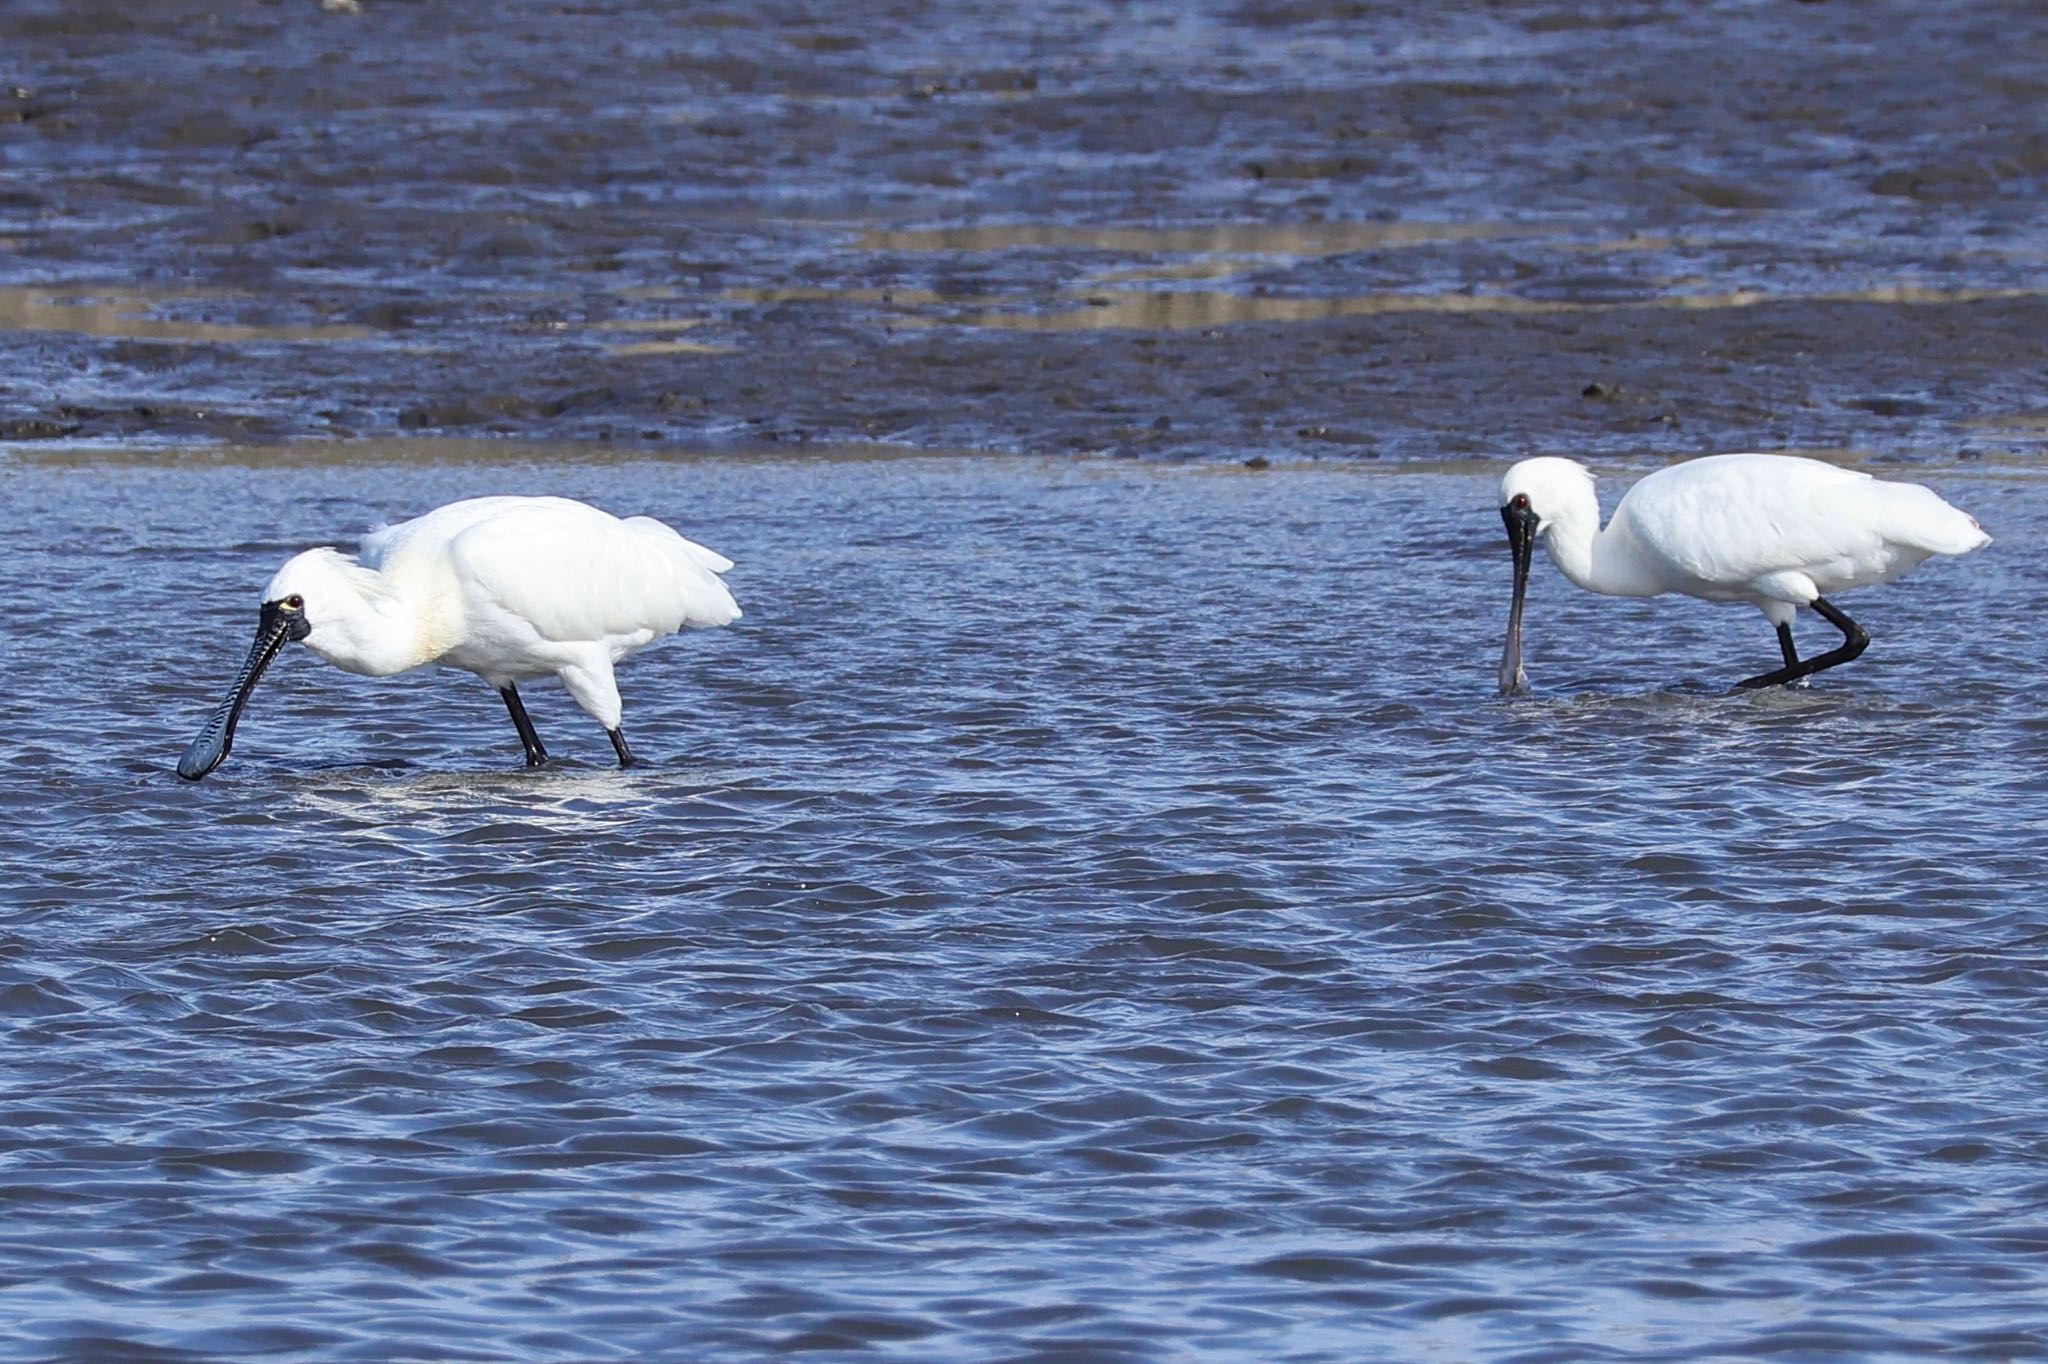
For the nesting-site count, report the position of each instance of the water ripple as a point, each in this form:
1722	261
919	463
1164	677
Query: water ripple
1084	922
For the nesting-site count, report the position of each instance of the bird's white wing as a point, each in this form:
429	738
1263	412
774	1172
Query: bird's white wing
576	573
1732	519
430	532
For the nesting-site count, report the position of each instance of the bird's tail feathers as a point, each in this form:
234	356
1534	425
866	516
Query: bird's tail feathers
1920	518
703	597
708	559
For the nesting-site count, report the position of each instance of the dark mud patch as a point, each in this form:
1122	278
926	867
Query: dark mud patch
972	225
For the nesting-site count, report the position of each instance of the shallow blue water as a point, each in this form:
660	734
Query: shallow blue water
1085	910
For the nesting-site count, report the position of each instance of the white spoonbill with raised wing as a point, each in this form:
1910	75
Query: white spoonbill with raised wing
509	588
1776	531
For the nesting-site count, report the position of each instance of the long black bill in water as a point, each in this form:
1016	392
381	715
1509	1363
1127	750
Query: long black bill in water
1521	523
210	749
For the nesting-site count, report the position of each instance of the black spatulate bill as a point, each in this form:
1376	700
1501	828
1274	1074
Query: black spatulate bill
1521	523
280	623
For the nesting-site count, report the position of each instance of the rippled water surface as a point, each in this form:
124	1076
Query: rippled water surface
1084	910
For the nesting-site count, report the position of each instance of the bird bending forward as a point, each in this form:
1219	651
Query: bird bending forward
509	588
1776	531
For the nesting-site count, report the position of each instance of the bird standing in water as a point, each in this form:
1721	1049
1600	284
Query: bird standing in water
509	588
1776	531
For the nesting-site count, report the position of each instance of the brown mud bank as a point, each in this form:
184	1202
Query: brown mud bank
1197	230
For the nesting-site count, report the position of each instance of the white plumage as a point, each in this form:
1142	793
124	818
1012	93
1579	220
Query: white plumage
1776	531
509	588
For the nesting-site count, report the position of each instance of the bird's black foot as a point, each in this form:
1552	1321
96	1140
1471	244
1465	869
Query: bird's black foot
619	746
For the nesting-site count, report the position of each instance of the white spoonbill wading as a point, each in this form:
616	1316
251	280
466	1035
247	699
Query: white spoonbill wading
1776	531
509	588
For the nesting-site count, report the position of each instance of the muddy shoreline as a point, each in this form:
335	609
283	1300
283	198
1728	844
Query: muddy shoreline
1290	230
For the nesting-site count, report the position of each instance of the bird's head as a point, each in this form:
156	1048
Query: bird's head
1541	492
1536	495
300	596
312	590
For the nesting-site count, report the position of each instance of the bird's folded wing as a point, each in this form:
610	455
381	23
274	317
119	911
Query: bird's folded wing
1721	523
578	574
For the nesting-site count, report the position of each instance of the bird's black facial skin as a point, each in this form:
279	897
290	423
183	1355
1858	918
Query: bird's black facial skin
293	609
1521	520
279	623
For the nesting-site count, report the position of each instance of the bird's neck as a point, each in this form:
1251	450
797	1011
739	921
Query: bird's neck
1598	560
383	623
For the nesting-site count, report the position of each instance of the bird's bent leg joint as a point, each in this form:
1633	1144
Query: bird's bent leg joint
1855	639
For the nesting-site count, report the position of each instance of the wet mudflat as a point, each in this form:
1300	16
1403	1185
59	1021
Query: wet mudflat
1271	227
1087	909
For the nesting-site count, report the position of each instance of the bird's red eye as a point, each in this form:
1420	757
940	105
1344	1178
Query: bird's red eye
1522	500
295	602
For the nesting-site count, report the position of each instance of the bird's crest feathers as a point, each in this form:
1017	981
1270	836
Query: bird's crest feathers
307	572
1556	487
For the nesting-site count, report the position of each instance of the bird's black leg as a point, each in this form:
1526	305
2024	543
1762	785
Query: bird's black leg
535	754
1854	642
619	746
1785	645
